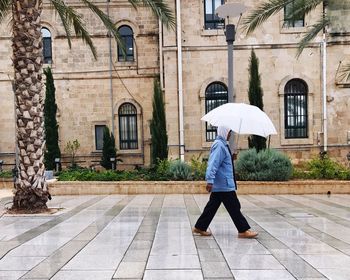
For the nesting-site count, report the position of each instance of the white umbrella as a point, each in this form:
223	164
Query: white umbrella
241	118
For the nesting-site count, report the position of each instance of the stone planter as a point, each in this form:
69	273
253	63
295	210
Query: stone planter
189	187
6	183
197	187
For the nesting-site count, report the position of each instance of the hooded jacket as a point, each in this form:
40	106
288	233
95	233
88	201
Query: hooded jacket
220	169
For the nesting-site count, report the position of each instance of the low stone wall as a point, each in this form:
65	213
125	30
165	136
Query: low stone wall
6	183
197	187
190	187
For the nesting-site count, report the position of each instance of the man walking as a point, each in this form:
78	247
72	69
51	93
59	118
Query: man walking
221	184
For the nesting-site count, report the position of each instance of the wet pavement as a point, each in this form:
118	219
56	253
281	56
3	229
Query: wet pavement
149	237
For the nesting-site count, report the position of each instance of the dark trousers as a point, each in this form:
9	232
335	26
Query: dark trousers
232	206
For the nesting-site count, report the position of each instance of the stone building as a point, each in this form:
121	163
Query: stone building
117	90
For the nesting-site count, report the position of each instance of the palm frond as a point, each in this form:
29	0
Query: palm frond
5	7
259	15
160	9
312	33
344	73
107	22
61	10
304	7
70	18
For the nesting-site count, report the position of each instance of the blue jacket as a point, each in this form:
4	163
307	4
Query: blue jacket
220	168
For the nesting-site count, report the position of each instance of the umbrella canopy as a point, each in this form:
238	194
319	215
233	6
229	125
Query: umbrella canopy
241	118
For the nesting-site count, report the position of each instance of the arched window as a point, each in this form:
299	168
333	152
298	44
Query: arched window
215	95
47	45
295	109
128	127
127	36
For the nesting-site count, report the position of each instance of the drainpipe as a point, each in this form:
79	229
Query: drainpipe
324	91
179	80
110	73
160	35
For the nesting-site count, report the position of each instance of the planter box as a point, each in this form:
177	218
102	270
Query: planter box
197	187
6	183
190	187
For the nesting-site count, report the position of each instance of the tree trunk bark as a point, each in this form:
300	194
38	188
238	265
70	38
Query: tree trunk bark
31	190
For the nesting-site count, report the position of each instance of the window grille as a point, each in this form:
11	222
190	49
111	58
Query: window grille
215	95
211	20
128	127
295	109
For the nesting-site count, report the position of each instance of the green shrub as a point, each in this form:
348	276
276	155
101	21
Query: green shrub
199	167
6	174
162	167
300	173
267	165
72	148
88	175
142	174
326	168
179	170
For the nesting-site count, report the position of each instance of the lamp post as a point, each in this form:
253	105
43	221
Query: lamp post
112	159
230	38
226	11
57	164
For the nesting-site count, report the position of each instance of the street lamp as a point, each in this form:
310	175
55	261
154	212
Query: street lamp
57	164
226	11
112	159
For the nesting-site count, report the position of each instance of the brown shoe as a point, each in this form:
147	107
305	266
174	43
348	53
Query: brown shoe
201	232
247	234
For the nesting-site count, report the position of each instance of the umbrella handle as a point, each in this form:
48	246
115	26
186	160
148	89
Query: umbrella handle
239	132
237	143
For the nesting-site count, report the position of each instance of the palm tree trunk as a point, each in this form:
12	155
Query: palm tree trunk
30	186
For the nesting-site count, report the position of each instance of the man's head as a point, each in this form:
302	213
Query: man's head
224	132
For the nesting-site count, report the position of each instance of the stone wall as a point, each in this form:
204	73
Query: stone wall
191	187
205	61
83	83
339	13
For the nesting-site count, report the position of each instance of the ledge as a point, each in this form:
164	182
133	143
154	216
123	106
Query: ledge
198	187
189	187
6	183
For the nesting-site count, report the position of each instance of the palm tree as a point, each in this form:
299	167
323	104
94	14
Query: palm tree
31	190
299	8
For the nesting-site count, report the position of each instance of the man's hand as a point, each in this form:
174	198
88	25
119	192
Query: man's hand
234	156
209	187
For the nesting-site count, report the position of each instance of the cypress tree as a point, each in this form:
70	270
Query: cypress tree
255	94
50	122
159	135
109	149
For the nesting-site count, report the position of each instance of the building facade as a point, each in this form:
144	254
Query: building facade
116	90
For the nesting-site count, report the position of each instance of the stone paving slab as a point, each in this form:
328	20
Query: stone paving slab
149	237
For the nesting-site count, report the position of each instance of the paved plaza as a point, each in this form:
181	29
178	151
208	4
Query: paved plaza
149	237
